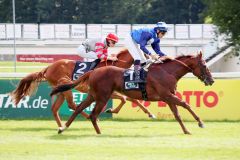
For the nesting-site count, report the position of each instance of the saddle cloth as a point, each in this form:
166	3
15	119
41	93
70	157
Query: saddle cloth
129	76
83	67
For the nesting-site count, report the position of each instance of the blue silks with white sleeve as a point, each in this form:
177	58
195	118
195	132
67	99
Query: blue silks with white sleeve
145	36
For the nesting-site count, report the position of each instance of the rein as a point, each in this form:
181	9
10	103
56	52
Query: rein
186	66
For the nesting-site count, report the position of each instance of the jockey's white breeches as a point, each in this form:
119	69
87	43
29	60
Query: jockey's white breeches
82	52
134	49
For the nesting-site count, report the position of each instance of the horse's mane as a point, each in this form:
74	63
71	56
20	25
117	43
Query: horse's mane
184	56
168	59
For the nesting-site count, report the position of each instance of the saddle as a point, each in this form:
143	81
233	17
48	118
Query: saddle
83	67
129	84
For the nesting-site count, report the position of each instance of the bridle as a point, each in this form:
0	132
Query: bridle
203	76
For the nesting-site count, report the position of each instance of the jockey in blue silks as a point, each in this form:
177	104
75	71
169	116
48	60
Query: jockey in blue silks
137	41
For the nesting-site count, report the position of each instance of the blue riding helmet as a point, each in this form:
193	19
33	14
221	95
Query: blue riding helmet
161	26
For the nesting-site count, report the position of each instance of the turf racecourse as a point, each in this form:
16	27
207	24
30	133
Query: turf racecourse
120	140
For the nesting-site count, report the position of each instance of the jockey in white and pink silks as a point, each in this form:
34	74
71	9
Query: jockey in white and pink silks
97	49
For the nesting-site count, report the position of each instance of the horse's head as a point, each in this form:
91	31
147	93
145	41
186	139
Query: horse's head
125	59
201	70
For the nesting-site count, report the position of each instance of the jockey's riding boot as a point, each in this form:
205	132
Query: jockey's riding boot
143	64
137	69
94	64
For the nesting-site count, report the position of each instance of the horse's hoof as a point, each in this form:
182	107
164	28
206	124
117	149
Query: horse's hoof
187	132
108	110
152	116
201	125
60	131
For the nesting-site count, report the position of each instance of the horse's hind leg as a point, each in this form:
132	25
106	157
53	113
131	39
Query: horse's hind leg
174	109
78	110
69	97
175	100
55	107
96	111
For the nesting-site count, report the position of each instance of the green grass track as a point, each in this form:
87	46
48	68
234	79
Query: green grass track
120	140
27	67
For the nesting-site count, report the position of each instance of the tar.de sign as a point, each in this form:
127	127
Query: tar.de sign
38	102
38	105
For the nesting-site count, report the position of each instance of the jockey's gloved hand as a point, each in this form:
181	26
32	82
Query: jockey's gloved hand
154	56
147	56
166	57
169	57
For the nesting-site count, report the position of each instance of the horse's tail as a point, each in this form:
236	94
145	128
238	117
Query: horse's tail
28	85
65	87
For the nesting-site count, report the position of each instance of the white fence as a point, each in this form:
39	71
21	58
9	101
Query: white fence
82	31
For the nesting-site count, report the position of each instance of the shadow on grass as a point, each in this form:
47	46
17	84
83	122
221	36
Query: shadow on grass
82	135
27	129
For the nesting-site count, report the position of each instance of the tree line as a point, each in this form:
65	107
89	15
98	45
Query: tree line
103	11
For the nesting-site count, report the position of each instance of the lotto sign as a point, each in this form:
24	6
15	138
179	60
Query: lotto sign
218	102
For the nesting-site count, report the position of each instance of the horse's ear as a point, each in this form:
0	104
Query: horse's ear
200	54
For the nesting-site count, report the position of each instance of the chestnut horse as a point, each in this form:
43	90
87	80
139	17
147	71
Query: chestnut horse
161	86
61	72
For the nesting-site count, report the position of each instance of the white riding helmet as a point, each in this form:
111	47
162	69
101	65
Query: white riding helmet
161	26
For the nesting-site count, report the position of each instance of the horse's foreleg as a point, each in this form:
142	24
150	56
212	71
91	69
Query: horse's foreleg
69	98
144	109
55	107
174	109
175	100
123	101
119	107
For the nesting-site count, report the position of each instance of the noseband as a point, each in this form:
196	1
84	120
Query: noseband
202	72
